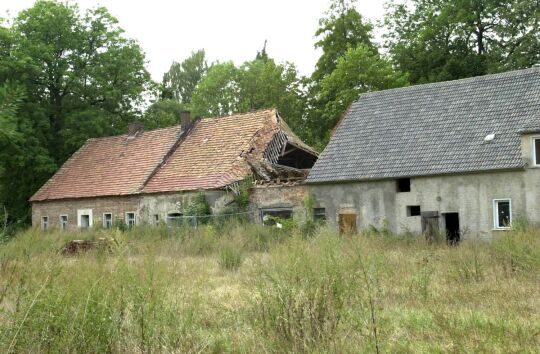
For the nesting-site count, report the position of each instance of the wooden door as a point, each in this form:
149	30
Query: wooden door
430	224
347	223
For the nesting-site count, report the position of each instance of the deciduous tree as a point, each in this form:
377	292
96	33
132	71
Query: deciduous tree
81	78
182	78
451	39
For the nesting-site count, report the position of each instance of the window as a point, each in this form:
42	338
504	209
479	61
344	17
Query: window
64	222
536	151
403	185
107	220
319	214
269	217
502	213
84	218
413	210
130	219
156	219
44	223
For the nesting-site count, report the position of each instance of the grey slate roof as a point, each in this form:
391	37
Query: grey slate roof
434	129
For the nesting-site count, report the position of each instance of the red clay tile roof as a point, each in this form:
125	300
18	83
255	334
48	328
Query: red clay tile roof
211	155
115	165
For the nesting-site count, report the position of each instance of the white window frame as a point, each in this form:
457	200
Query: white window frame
62	223
45	223
103	220
80	213
533	150
134	218
496	225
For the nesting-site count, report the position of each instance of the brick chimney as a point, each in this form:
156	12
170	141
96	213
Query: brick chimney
135	128
185	119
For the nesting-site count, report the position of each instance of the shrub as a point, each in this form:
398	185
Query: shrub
199	208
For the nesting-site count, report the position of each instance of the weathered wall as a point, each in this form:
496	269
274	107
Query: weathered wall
278	197
118	206
164	204
144	206
470	195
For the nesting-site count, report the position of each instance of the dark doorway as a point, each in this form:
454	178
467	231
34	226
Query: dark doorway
451	221
430	225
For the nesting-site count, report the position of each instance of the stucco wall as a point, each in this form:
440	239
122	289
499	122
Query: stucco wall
469	195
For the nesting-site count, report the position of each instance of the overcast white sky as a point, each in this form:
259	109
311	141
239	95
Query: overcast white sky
226	29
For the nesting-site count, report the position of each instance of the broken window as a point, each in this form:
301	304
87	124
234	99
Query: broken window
64	222
107	220
413	210
403	185
44	223
502	213
536	151
130	219
319	214
272	217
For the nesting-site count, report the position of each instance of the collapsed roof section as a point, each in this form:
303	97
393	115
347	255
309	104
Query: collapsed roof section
221	151
210	153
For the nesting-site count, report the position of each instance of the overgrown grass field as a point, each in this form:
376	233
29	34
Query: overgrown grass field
245	288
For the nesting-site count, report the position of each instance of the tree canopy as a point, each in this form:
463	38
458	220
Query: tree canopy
451	39
182	78
66	76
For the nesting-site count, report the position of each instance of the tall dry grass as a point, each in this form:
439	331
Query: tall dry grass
247	288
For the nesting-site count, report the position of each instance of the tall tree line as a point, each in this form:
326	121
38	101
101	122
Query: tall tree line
67	75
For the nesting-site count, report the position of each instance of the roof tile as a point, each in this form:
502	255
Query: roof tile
434	129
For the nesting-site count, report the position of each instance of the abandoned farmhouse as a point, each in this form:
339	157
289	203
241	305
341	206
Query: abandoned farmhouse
460	157
152	176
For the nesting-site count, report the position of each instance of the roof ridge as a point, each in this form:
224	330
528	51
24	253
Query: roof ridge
481	78
126	135
240	113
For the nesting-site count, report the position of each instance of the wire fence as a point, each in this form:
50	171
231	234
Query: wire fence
196	220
